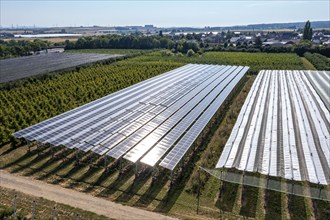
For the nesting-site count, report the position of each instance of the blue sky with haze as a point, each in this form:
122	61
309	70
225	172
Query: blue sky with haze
160	13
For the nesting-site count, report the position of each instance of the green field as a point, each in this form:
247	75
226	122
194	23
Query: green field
256	61
34	100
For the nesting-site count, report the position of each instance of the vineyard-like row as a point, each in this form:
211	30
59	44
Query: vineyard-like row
319	61
256	61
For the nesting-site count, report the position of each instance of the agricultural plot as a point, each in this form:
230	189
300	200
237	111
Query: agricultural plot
256	61
22	67
144	122
282	130
90	176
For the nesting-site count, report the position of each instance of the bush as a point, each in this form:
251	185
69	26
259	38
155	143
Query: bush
166	53
190	53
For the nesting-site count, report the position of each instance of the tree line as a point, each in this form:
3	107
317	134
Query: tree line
15	48
301	48
133	41
189	42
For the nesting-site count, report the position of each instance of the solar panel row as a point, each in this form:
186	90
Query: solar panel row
179	150
170	138
144	121
320	80
283	130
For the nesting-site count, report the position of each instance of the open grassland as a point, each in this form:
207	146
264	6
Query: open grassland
44	209
34	100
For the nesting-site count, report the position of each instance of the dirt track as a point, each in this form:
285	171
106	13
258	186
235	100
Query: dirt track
74	198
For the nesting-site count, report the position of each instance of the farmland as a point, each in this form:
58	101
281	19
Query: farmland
256	61
22	67
38	99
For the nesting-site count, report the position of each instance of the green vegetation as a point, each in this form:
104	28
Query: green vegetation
256	61
308	31
15	48
319	61
44	208
133	41
307	64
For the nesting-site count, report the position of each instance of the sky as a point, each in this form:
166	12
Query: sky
161	13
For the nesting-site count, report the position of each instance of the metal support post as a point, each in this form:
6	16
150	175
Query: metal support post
292	187
136	169
77	157
38	153
105	161
52	152
171	179
320	189
221	183
33	210
243	178
54	213
120	166
15	196
198	190
29	146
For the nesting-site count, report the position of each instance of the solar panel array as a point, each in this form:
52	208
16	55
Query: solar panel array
321	81
152	121
282	130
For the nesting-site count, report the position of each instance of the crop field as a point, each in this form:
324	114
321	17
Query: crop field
256	61
22	67
35	100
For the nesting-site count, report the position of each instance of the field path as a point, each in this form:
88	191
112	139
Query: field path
73	198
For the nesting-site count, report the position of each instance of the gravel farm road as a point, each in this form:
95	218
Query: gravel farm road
73	198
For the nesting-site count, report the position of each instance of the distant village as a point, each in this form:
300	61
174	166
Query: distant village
270	34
